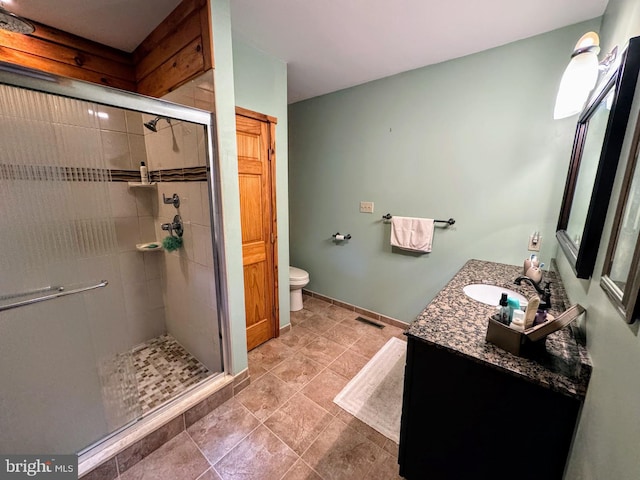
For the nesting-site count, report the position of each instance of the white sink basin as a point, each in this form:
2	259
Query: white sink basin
490	294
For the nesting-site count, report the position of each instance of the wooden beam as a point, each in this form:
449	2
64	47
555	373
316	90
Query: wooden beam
207	35
178	39
178	49
166	28
70	54
59	68
175	71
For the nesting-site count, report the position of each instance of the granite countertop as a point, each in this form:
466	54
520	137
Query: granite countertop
458	323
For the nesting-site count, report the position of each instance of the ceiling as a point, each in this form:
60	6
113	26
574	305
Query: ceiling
331	44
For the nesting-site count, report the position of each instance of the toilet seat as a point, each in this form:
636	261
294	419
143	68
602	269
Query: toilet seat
297	276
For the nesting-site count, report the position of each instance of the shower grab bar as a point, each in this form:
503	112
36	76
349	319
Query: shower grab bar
61	293
30	292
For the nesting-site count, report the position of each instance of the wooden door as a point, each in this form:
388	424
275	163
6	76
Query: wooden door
255	135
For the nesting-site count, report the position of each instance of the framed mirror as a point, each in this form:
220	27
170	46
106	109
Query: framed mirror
621	272
594	159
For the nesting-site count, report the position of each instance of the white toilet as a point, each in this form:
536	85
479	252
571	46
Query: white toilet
298	279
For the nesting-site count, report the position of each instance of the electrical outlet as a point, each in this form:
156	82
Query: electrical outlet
366	207
534	242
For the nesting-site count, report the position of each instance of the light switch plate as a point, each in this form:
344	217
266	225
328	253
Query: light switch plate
366	207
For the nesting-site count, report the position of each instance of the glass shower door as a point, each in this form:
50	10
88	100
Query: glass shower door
66	382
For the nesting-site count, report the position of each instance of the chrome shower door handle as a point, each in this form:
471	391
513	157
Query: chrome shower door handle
61	292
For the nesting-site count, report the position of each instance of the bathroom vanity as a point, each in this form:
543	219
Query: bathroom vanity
473	410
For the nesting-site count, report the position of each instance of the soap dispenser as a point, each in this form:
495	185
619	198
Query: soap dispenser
503	313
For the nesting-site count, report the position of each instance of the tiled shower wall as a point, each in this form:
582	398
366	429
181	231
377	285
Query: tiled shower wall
176	153
134	211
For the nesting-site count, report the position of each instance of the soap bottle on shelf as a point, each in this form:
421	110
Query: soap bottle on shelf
144	174
503	313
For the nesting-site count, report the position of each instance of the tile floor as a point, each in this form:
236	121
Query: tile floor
164	369
284	425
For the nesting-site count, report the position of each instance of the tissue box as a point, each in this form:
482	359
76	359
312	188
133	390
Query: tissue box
521	343
504	337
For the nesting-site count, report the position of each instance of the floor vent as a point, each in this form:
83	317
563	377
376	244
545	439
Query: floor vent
370	322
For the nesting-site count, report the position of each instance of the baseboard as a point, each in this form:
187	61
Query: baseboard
362	311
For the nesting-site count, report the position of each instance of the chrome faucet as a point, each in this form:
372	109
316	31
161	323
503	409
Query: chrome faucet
544	292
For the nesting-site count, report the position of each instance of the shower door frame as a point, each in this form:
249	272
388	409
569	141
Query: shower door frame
26	78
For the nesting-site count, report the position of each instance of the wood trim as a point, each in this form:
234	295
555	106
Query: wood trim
167	28
274	226
180	38
272	122
256	116
175	71
51	66
62	53
207	35
178	50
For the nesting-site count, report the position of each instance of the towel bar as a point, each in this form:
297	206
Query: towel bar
451	221
61	292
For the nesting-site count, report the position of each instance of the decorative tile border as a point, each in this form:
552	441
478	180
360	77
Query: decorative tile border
369	313
84	174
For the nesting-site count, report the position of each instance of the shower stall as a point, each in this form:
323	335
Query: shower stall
100	326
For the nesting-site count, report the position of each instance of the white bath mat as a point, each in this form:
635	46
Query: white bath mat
374	395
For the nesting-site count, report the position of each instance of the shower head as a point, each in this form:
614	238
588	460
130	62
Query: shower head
15	24
151	124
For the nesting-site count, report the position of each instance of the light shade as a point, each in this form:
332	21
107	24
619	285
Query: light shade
579	78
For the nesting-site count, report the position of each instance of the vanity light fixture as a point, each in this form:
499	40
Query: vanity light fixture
579	77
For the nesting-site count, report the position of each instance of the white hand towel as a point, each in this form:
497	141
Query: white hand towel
414	234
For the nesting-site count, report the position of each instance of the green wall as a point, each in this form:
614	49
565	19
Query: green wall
247	78
605	446
472	139
230	207
261	85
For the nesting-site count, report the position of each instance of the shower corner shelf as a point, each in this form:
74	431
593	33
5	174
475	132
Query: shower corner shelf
149	247
142	185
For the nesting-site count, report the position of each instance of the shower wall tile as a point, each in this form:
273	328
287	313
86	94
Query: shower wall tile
154	292
189	144
153	264
196	208
147	203
107	319
201	336
146	325
115	146
75	146
203	250
122	199
147	229
73	112
202	289
167	189
134	122
163	148
136	298
137	149
132	267
111	118
187	250
206	203
127	233
203	147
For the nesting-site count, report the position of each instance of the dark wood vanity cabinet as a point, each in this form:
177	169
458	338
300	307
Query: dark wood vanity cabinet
462	419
